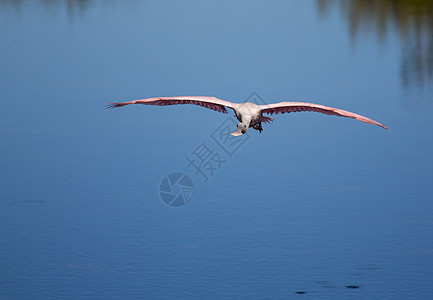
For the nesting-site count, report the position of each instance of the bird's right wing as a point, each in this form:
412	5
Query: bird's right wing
208	102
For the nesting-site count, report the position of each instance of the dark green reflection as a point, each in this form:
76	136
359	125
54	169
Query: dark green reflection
73	6
412	20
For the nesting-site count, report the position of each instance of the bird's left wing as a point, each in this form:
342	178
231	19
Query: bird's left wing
288	107
208	102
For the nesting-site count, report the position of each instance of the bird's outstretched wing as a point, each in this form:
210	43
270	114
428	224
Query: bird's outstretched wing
208	102
288	107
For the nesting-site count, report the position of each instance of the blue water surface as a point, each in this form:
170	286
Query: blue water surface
329	206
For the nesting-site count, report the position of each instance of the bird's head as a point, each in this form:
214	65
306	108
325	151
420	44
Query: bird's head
242	128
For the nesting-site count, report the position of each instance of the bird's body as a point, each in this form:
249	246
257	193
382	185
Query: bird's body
248	114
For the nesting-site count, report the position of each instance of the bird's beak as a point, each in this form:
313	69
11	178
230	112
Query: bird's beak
238	132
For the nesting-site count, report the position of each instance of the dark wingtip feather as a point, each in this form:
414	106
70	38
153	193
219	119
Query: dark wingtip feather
113	105
383	126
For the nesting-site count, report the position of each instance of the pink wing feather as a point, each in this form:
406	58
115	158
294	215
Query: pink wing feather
288	107
208	102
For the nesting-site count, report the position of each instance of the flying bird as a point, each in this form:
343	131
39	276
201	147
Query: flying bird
248	114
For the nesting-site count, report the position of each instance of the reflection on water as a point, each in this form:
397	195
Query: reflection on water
72	6
412	20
